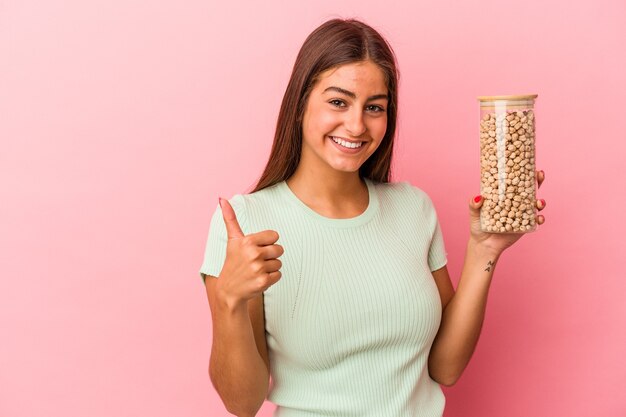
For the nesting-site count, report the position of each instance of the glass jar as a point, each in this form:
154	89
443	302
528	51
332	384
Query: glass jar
508	180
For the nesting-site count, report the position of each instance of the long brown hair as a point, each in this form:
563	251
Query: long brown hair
334	43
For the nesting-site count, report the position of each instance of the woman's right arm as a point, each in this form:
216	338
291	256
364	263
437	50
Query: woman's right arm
238	371
239	364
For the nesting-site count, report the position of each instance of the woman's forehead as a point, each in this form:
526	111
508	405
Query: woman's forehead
358	75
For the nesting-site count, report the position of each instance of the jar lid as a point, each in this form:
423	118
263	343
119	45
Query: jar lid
514	97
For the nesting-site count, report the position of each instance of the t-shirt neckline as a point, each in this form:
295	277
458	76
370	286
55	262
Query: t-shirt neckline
362	218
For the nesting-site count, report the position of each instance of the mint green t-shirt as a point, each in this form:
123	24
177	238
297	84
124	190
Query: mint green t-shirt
351	321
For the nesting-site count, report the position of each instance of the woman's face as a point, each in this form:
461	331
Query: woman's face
348	102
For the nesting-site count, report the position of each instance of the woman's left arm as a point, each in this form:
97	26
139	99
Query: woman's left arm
464	310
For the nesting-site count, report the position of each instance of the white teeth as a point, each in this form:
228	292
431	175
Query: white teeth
346	144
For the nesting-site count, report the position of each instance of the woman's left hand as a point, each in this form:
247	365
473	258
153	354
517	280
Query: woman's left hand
498	242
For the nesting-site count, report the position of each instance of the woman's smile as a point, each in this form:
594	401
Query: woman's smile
347	146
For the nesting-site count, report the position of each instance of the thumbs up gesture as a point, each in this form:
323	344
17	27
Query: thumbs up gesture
251	265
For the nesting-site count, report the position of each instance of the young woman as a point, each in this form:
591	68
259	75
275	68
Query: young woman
358	317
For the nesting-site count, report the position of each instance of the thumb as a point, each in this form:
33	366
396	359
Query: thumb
474	206
230	220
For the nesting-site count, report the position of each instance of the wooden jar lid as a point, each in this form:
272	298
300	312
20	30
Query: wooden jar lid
515	97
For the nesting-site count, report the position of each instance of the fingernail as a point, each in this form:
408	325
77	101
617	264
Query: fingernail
477	198
543	174
543	202
219	200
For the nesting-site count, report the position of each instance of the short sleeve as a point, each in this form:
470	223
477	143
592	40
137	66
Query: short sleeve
215	249
437	255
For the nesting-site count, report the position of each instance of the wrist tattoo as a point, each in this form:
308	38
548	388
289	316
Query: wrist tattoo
490	264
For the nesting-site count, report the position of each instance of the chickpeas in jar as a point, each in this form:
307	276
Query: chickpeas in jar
507	164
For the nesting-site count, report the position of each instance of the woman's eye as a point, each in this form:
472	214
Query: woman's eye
373	108
376	109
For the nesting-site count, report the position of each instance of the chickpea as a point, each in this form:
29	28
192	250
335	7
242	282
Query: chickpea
507	143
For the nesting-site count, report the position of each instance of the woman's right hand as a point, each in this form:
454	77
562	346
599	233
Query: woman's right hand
250	266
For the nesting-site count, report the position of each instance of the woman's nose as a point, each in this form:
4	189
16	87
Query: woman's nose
355	123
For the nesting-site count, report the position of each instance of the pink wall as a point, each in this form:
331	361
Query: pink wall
121	123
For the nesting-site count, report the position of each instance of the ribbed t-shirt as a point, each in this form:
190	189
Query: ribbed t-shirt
350	323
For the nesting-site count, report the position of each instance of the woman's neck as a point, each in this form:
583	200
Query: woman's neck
338	195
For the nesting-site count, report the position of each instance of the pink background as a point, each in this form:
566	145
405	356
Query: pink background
121	123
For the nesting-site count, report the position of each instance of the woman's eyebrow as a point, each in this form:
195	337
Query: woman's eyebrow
352	95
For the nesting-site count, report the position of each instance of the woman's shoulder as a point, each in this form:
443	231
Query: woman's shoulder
264	195
261	201
405	192
404	187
